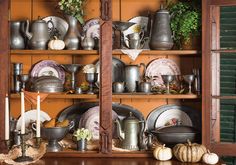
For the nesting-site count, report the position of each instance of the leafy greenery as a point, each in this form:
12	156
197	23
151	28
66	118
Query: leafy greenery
73	8
185	20
82	134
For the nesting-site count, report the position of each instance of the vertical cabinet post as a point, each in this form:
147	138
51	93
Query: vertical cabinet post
105	78
4	64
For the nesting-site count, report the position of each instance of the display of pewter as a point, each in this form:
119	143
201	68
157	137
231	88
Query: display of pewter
71	38
118	87
24	78
135	40
91	78
167	80
87	43
39	35
16	39
130	134
161	34
72	69
120	27
189	79
47	84
132	76
17	70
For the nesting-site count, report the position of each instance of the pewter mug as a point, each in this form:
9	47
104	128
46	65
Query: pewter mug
135	40
16	39
132	76
87	43
118	87
161	35
145	87
39	35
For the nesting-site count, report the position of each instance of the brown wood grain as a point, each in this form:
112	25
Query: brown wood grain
4	64
206	73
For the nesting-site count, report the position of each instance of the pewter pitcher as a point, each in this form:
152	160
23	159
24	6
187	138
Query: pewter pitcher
39	35
161	35
132	76
16	39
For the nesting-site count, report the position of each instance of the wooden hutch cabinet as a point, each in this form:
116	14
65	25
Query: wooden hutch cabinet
109	10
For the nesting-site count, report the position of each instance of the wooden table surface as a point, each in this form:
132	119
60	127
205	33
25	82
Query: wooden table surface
110	161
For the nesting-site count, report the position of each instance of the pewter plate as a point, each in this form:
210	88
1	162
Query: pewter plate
118	70
56	26
188	116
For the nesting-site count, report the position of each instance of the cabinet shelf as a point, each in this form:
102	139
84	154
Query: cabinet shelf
117	96
95	52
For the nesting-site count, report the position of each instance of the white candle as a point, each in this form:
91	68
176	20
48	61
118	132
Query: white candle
7	118
38	116
22	112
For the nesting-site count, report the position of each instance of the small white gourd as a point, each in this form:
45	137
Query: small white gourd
162	153
56	44
210	158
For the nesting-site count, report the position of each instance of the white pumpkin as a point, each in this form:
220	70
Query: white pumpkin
162	153
56	44
210	158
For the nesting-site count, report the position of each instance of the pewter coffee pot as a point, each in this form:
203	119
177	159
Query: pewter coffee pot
132	76
131	132
161	35
39	35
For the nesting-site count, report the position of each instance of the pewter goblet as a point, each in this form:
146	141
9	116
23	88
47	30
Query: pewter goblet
167	80
23	79
73	69
189	79
91	78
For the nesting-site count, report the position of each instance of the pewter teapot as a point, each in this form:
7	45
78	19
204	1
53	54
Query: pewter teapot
131	134
161	35
39	35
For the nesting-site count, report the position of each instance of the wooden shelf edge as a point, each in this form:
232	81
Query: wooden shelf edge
155	96
64	96
95	52
95	154
115	96
54	52
162	52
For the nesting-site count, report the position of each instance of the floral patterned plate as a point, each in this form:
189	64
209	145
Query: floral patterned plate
158	67
48	68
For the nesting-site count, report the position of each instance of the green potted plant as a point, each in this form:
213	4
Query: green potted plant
185	20
82	135
74	8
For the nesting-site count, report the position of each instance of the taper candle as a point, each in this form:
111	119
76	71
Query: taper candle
7	130
38	116
22	112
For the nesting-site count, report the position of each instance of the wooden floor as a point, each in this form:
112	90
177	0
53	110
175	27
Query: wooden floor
110	161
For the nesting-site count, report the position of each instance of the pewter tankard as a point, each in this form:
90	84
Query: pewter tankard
161	36
132	76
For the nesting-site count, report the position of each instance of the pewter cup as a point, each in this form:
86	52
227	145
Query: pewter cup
17	70
23	79
118	87
189	79
145	87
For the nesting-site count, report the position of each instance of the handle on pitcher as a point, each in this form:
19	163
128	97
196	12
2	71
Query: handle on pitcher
144	68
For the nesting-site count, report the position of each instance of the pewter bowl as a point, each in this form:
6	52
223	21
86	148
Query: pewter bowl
53	135
47	84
